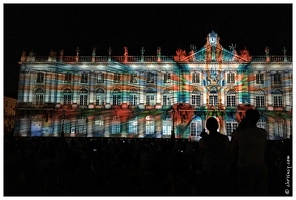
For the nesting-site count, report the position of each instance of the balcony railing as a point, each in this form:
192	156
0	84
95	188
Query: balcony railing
276	58
101	59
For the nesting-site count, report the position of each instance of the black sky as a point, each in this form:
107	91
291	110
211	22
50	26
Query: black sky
47	27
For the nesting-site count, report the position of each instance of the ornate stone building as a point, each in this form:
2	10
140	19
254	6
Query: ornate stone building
153	96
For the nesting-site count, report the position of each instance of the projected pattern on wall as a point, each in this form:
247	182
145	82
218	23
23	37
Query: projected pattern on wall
153	96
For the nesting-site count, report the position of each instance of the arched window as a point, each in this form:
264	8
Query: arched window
213	96
100	96
196	126
39	96
115	126
260	98
81	126
277	98
279	128
67	96
99	125
196	97
116	97
83	97
167	125
231	125
261	123
133	126
150	125
230	98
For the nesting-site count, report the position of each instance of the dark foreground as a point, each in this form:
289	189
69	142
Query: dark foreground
123	167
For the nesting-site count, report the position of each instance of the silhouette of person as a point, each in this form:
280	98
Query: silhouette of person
248	147
214	150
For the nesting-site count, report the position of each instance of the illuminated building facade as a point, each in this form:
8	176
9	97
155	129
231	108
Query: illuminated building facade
153	96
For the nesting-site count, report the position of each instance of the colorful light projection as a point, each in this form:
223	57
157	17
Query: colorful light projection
151	96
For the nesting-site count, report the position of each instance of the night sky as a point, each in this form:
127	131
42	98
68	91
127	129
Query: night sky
47	27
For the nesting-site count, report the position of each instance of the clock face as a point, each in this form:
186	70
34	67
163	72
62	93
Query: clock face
212	40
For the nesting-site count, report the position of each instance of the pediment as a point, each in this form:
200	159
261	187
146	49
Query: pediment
213	51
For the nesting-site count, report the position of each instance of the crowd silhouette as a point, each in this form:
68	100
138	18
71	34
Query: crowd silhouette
122	167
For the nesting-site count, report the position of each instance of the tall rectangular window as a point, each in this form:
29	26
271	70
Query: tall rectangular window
84	77
213	100
132	100
150	77
67	99
116	78
100	78
230	78
260	101
195	100
196	77
133	78
67	77
277	101
40	77
259	78
150	100
277	78
167	78
230	101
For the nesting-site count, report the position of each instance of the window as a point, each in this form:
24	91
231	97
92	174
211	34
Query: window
230	78
277	98
100	96
260	99
83	97
259	78
166	98
279	124
133	78
195	97
116	97
277	78
133	100
39	96
81	126
68	77
99	125
150	95
150	100
40	77
150	125
167	126
116	78
84	77
196	126
213	97
133	126
167	78
231	125
115	126
261	123
67	97
196	77
100	78
150	77
230	98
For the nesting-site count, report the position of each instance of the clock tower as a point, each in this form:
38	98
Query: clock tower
213	38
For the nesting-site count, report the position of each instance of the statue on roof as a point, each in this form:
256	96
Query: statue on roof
267	51
125	51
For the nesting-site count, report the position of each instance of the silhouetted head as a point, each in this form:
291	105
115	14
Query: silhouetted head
212	124
252	116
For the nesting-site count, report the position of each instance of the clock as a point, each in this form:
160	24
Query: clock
212	39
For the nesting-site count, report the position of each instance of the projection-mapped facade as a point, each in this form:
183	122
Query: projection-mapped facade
153	96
